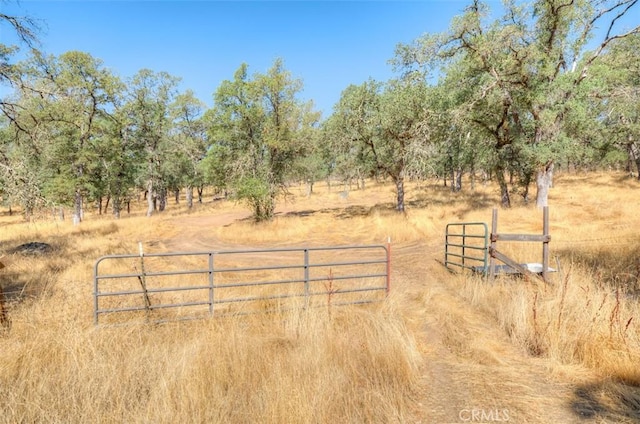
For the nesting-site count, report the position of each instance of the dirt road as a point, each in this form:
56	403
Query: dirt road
465	377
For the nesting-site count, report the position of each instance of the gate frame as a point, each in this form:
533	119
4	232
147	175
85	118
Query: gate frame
544	238
464	254
306	265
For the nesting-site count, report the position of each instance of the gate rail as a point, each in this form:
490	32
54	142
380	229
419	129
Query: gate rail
197	284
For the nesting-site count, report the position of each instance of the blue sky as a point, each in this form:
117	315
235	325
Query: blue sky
327	44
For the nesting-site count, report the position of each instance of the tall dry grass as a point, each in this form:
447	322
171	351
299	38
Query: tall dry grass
595	237
589	315
356	364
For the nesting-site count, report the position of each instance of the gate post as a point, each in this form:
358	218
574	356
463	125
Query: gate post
492	248
545	244
388	289
306	277
4	317
211	298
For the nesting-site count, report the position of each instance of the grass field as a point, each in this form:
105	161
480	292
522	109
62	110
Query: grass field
442	348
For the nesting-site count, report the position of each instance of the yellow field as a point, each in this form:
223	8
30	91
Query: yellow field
443	348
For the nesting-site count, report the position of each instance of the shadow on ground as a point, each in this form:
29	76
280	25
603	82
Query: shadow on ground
614	266
344	212
610	401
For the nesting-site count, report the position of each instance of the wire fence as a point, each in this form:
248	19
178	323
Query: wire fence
16	290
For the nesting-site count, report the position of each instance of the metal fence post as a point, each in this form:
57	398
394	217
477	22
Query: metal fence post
306	278
388	289
211	283
545	245
464	242
494	231
95	293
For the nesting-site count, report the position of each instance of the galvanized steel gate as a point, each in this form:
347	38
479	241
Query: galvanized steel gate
186	285
466	246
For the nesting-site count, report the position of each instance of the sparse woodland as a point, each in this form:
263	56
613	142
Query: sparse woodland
507	96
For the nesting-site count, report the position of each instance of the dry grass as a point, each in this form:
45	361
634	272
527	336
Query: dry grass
300	367
441	344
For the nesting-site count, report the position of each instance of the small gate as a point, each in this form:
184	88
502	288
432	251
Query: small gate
172	286
466	246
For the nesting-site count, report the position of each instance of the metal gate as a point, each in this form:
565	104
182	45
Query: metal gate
466	246
187	285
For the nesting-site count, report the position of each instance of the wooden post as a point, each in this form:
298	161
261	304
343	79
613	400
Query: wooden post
143	281
545	244
492	248
4	318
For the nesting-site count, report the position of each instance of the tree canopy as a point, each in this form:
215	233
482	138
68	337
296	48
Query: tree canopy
511	94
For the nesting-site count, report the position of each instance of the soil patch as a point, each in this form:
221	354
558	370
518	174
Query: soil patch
32	248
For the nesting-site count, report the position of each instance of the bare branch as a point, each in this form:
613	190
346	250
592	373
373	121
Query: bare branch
600	49
630	4
25	27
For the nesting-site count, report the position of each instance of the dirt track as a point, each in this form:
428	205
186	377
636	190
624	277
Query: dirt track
463	380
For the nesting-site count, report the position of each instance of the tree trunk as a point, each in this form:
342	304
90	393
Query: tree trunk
200	190
116	207
176	195
189	196
400	193
150	198
505	200
472	175
162	199
309	188
544	181
526	183
634	155
77	208
456	180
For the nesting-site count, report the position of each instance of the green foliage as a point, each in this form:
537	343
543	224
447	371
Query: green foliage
507	95
256	193
516	79
257	129
149	124
60	104
380	128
